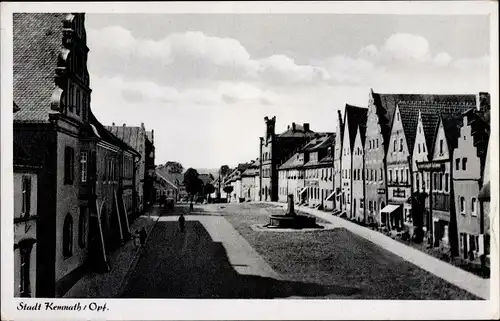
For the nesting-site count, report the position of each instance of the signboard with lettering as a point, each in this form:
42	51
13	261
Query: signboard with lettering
430	166
399	193
312	183
381	191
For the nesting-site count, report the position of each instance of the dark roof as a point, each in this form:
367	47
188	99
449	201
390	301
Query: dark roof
296	130
480	130
293	162
431	108
253	169
451	126
37	42
16	107
358	114
176	178
206	178
129	134
109	137
320	141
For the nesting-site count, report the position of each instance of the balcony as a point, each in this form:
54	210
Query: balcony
441	202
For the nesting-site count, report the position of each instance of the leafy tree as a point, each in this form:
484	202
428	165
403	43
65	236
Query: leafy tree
192	183
208	189
174	167
224	170
228	190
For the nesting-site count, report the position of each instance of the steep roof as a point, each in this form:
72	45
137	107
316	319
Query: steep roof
358	114
176	178
165	180
293	162
321	140
431	108
108	136
296	130
129	134
206	178
37	42
252	170
480	130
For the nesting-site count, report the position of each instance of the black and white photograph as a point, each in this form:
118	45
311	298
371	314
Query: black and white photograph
302	160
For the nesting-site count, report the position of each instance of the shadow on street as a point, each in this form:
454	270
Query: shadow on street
192	265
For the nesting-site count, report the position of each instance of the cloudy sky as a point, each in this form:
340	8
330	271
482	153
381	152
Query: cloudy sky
204	83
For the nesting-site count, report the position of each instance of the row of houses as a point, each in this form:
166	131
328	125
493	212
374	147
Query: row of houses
78	184
406	162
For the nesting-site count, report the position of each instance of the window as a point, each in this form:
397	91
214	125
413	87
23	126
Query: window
407	175
68	236
26	198
440	181
401	144
473	207
435	180
375	173
419	148
441	147
82	227
402	175
462	205
70	97
395	145
83	166
69	158
381	174
359	173
397	174
397	115
377	142
419	129
78	102
390	175
370	144
457	164
446	179
417	182
464	163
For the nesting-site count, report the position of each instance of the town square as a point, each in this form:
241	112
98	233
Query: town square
267	156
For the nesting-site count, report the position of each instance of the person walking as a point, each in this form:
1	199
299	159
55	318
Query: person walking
143	235
182	221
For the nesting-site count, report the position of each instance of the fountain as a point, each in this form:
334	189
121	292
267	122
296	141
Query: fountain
291	219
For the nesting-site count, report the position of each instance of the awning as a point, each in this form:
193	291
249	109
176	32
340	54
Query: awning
331	196
303	191
390	208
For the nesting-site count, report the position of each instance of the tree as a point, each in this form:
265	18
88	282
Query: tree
174	167
192	183
208	189
224	170
228	190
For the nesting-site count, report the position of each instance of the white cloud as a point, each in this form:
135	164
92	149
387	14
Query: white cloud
442	59
281	67
406	47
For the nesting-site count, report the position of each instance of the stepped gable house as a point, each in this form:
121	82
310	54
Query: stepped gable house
468	167
275	149
337	162
54	122
352	117
359	177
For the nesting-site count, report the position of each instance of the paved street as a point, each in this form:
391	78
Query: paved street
220	256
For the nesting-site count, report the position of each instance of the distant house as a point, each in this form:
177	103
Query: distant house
163	187
291	178
175	177
275	149
142	141
250	181
337	163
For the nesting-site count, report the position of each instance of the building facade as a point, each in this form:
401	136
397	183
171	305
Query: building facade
275	149
250	182
25	224
359	179
469	160
352	116
142	141
291	179
337	162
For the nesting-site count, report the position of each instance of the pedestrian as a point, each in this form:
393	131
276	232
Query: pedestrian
142	236
182	220
136	238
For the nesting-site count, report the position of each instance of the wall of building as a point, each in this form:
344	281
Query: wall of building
375	191
248	187
68	203
346	170
358	182
326	186
283	185
466	184
337	163
399	188
24	230
420	154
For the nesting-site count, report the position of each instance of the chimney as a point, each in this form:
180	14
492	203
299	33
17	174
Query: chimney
113	123
340	117
124	125
293	126
152	136
306	127
142	125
